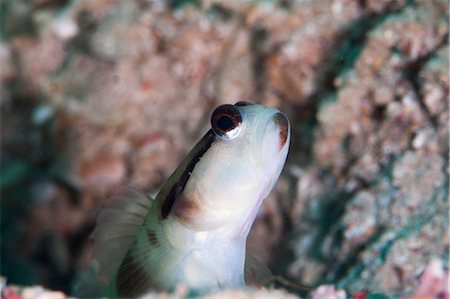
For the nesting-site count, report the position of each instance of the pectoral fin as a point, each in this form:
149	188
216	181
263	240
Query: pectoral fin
150	264
256	273
118	224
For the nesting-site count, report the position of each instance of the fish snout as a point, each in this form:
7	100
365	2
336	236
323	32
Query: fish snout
282	123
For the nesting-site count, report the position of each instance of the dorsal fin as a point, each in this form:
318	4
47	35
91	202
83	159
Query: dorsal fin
256	273
117	227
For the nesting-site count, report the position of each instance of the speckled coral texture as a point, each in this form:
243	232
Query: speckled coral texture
98	94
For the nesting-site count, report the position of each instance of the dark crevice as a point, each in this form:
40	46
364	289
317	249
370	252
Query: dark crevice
285	4
404	232
257	37
412	73
378	113
349	156
352	40
179	4
281	256
82	42
362	4
341	57
221	12
332	210
340	269
15	21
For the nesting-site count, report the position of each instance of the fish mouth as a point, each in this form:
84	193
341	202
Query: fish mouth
282	123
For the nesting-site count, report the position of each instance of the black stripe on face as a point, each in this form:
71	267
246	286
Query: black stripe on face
203	145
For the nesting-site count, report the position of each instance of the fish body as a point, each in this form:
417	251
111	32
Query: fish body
194	232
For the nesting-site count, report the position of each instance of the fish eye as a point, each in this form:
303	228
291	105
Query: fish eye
226	121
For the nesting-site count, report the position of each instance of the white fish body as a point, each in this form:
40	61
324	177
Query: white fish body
195	231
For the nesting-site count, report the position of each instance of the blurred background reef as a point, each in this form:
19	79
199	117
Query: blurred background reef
98	94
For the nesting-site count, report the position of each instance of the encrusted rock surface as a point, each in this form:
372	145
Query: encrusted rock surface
97	94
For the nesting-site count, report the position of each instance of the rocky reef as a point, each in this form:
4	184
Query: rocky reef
98	94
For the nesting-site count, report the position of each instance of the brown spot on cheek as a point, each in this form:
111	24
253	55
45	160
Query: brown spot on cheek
187	208
282	123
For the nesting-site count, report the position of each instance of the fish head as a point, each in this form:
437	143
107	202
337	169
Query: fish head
247	148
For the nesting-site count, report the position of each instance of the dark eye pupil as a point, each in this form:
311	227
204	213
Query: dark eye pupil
225	123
